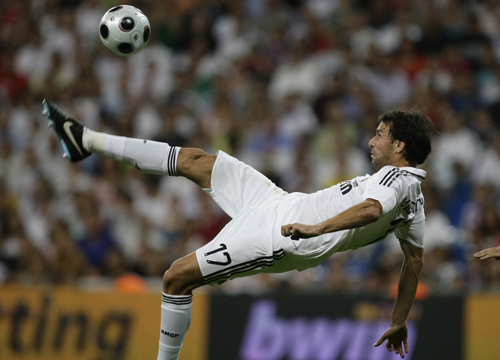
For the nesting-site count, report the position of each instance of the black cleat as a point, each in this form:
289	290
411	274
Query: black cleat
68	130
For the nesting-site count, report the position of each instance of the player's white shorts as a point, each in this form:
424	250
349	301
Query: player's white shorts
245	245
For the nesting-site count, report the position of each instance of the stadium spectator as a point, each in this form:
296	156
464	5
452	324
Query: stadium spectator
213	65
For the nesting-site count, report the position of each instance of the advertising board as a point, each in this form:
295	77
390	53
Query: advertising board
70	324
482	327
328	327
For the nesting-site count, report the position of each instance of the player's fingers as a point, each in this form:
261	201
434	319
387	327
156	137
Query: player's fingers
486	253
388	346
379	342
399	350
285	230
482	252
405	344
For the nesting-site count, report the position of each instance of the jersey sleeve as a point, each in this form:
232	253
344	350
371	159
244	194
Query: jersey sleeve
414	233
384	186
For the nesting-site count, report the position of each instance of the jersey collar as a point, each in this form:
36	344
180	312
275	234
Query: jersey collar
418	173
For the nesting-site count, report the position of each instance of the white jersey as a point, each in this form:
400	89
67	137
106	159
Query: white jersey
252	243
398	191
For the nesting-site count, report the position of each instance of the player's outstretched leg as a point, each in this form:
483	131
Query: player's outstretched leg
149	156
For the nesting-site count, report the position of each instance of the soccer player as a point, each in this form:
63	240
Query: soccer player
273	231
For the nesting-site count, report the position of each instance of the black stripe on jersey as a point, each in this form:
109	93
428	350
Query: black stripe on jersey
177	300
269	259
386	175
393	173
394	178
224	277
413	174
226	273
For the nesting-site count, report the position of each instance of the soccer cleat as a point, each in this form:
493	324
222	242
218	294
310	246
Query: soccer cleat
68	130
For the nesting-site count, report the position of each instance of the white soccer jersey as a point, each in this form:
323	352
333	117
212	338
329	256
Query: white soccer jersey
252	243
398	191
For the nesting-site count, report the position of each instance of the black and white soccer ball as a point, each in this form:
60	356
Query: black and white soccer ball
124	30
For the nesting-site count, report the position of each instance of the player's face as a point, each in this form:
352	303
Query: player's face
382	147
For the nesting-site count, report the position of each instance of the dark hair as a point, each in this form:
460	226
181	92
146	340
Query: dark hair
412	127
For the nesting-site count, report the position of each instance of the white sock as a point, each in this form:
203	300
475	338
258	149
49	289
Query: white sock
146	155
175	321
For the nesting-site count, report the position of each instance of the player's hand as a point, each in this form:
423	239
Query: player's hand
397	337
300	231
488	253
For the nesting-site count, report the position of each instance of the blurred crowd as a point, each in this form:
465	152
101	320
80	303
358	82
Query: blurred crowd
292	87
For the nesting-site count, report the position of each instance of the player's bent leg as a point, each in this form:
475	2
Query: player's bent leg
183	276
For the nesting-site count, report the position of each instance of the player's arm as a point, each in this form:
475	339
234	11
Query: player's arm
397	333
359	215
488	253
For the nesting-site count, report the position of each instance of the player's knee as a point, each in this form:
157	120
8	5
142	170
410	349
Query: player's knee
189	156
173	281
180	279
195	153
196	165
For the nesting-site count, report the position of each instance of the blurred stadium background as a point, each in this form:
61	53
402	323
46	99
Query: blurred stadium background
292	87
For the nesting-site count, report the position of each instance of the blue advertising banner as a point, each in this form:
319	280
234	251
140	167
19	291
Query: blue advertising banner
328	327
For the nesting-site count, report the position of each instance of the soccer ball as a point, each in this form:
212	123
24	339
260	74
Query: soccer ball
124	30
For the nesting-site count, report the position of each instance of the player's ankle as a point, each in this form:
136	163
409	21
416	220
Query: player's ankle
92	140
